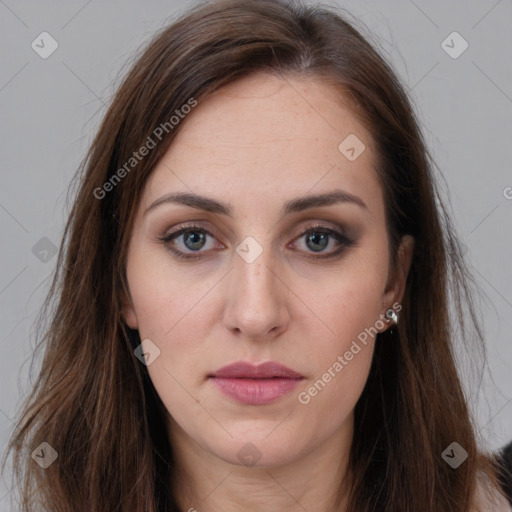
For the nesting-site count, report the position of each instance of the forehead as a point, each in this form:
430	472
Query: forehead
268	136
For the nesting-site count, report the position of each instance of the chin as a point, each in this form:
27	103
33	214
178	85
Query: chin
260	451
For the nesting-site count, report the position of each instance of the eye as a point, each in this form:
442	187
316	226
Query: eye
318	238
193	238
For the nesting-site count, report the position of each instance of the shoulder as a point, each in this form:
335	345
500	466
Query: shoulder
490	499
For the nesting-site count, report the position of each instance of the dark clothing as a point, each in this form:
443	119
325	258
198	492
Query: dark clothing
505	470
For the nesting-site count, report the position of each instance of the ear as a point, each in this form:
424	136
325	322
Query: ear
128	312
395	286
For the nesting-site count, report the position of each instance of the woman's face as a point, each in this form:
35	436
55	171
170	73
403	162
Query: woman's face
271	277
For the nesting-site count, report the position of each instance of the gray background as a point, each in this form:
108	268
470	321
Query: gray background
50	109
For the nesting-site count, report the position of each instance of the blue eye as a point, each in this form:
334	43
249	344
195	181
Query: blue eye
194	238
318	238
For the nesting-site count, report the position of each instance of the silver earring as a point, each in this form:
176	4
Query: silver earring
392	316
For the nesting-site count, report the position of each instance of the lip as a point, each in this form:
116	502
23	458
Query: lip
242	369
255	384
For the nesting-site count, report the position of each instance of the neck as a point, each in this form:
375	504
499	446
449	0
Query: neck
317	480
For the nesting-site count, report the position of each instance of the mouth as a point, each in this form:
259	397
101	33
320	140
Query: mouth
255	385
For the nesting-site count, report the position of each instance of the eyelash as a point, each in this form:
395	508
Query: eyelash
169	237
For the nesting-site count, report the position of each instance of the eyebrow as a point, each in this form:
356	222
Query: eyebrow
297	204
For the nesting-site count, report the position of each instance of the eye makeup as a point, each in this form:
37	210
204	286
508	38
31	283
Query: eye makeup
317	233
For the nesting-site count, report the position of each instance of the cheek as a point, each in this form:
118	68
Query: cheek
348	304
164	296
327	402
349	307
342	359
173	311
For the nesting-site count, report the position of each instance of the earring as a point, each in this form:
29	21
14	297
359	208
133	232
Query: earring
392	316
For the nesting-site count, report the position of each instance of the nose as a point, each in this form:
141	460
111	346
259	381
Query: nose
256	306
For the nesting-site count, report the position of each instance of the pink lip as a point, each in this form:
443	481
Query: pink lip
255	385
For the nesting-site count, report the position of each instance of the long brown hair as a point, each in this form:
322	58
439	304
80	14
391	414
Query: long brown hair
93	401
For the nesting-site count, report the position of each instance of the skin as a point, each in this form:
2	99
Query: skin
255	144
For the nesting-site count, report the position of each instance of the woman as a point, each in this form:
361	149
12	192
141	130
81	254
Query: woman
253	289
